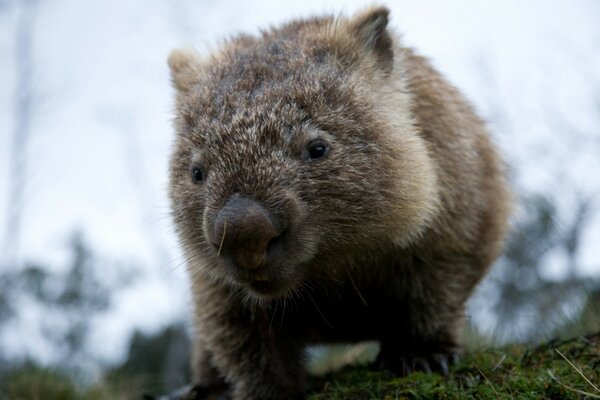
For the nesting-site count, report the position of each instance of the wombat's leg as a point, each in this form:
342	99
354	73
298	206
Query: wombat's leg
257	358
265	367
424	334
208	383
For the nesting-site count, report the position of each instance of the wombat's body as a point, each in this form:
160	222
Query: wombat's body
327	185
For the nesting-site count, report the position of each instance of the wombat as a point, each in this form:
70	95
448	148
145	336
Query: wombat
327	185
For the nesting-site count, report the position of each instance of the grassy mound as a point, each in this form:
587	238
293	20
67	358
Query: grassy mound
565	369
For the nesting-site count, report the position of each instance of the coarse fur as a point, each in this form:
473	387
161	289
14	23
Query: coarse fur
384	238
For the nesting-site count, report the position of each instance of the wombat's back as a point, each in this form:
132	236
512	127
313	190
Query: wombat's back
475	198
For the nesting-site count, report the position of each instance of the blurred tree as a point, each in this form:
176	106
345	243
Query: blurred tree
550	223
70	299
24	105
530	305
81	296
159	363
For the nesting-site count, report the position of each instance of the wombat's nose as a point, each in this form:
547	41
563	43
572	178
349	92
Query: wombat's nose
243	229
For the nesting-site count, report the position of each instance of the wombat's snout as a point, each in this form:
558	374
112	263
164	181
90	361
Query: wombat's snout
243	230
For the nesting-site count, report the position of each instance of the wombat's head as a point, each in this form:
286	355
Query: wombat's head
295	151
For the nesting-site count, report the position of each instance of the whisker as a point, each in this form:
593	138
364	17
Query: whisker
222	237
356	287
319	310
273	316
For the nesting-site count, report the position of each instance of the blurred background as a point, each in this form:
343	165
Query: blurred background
91	279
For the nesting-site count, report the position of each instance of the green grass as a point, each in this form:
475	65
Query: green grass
36	383
566	369
556	370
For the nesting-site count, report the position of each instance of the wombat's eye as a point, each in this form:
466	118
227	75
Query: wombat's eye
317	149
197	174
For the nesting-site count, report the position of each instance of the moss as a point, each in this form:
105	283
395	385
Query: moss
548	371
38	383
32	382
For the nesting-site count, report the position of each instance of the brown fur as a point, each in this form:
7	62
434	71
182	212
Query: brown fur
386	237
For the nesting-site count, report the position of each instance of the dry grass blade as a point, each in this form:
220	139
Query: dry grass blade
487	380
499	362
578	370
582	392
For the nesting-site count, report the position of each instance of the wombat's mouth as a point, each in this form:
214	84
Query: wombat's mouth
264	288
260	277
264	285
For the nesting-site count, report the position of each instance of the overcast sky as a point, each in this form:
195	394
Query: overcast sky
101	132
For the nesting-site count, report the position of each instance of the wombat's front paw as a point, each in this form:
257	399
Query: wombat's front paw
200	392
404	364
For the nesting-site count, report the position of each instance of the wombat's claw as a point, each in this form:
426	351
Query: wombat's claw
406	365
441	362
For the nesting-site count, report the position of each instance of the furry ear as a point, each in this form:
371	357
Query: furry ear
185	68
370	28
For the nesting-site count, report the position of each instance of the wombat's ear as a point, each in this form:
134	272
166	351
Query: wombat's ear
370	27
185	68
